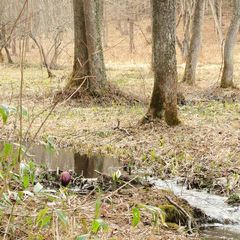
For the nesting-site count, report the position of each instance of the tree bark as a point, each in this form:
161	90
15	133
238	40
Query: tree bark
215	5
93	21
227	76
10	61
164	96
195	43
89	68
81	64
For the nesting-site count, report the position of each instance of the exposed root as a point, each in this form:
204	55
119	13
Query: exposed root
105	96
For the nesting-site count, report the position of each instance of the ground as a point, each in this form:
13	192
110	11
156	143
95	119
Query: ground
208	135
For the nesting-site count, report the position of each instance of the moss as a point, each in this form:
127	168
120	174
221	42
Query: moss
173	215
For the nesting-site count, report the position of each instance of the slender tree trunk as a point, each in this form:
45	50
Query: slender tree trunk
195	43
131	36
14	49
3	40
215	11
218	7
8	55
164	96
1	57
42	55
227	76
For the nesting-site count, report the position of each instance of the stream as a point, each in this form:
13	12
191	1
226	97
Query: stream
227	218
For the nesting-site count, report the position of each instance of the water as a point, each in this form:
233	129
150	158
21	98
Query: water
67	159
214	206
82	163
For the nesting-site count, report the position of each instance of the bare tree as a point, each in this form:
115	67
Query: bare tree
195	44
227	76
216	7
164	96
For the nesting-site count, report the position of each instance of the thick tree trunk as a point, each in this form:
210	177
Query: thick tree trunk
81	64
89	68
164	96
195	43
227	76
93	21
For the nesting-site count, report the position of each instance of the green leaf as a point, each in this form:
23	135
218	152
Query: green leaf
24	112
26	181
38	188
62	216
98	224
83	237
95	226
41	214
4	113
116	175
157	213
97	208
136	216
7	150
45	221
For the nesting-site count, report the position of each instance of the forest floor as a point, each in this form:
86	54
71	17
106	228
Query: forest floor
204	149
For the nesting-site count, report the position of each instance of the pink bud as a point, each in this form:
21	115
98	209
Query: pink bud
65	178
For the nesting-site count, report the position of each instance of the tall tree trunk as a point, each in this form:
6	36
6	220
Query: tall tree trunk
81	64
131	36
164	96
215	6
8	55
93	21
195	43
1	57
14	49
89	65
227	76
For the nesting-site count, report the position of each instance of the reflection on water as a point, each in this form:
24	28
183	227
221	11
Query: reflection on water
82	164
66	159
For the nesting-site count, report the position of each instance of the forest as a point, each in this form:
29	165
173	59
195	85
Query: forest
120	119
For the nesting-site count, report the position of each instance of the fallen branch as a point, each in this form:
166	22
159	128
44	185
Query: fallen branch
121	129
189	218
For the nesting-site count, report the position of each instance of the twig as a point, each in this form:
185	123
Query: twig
21	98
14	25
8	224
114	192
124	185
121	129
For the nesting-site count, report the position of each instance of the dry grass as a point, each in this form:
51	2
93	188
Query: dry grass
208	135
79	212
